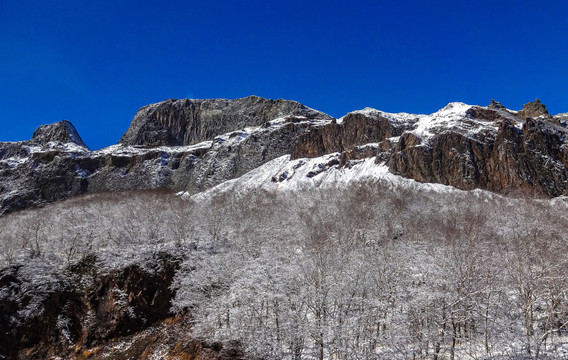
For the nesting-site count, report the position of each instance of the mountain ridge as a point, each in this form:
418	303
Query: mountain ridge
192	145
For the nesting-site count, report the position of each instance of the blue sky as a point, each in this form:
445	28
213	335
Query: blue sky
96	62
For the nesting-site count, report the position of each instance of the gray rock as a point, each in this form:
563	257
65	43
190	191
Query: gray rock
54	170
63	132
186	122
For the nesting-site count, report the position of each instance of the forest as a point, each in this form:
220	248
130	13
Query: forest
376	270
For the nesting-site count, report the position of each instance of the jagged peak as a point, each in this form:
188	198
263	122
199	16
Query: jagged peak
496	105
533	109
62	132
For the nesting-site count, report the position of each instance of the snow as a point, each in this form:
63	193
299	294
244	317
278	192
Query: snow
281	121
453	116
234	137
401	117
14	162
70	147
283	174
447	117
58	146
126	150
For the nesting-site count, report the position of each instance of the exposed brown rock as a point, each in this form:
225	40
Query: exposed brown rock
356	129
496	105
532	109
361	152
504	163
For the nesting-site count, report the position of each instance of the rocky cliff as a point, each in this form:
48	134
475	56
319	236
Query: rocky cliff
463	146
78	313
191	145
187	122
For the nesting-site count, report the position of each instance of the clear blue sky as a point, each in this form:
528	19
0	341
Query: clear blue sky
96	62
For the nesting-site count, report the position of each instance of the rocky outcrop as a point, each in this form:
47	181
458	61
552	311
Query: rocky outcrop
187	122
533	157
62	132
355	129
496	105
533	109
59	313
50	135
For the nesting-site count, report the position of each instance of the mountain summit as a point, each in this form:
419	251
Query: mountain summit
62	132
187	122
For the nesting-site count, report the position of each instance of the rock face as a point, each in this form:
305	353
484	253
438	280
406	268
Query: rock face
81	307
192	145
358	128
187	122
463	146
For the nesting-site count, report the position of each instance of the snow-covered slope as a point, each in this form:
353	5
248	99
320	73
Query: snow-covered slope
456	116
285	175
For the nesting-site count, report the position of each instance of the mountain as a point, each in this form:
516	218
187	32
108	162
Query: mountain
192	145
263	229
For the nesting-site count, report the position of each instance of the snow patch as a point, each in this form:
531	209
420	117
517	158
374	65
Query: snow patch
283	174
401	117
126	150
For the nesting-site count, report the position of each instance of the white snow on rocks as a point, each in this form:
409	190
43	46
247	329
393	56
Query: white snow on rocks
283	174
125	150
455	117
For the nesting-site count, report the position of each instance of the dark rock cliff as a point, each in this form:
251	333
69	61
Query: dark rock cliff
533	157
